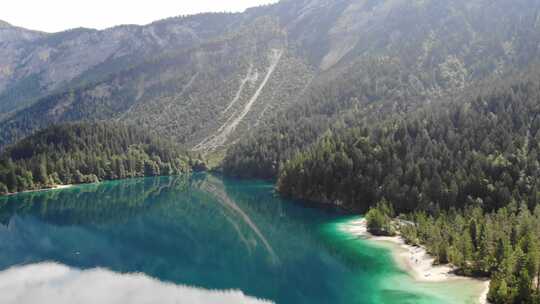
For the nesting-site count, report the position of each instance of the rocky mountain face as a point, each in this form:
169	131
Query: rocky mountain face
385	59
33	65
12	40
208	80
203	95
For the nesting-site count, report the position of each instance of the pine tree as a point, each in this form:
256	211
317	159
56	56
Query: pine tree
3	188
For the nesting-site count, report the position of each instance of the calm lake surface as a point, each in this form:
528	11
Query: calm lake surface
207	232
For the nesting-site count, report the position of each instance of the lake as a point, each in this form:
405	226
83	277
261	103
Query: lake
201	239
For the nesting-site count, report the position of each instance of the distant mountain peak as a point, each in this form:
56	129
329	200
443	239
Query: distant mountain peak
4	24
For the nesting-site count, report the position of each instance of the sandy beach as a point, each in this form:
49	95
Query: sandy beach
58	187
413	259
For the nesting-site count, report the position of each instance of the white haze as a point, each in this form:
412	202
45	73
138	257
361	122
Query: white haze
49	283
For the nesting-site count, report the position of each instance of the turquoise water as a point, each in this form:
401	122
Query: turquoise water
206	232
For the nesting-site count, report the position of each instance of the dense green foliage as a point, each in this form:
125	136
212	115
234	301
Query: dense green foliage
504	245
369	89
379	219
87	153
444	156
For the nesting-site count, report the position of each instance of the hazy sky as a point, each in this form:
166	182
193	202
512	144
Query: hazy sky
57	15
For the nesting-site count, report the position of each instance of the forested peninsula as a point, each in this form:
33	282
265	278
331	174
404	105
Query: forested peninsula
88	153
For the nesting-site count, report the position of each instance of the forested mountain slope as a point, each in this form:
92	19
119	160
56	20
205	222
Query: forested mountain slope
206	80
87	153
409	53
187	95
483	151
370	90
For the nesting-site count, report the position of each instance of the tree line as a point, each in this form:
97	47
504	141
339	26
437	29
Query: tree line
502	245
88	153
483	151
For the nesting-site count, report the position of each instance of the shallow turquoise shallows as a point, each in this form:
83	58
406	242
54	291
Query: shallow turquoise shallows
207	232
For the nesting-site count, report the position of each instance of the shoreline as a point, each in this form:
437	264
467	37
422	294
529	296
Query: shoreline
55	187
59	187
415	260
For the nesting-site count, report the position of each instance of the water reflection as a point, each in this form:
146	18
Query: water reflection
94	203
216	188
49	283
198	231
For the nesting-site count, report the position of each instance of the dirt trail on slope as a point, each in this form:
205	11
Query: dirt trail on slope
230	125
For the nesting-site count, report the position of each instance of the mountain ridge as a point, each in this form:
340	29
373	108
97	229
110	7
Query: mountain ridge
195	66
4	24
